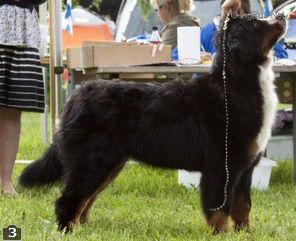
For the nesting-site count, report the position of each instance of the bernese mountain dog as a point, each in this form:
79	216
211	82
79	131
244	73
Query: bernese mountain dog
176	125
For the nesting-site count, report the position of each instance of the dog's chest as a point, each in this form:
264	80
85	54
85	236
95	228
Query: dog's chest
269	107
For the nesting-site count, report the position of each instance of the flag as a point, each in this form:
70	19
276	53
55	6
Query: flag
68	19
267	8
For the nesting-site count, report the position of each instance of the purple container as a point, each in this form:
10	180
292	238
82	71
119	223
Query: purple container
291	32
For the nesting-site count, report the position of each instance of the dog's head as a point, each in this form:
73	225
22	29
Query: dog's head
248	38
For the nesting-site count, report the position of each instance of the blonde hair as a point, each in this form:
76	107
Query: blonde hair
180	5
155	3
186	5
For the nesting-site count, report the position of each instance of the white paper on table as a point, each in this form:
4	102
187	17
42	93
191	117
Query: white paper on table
189	45
285	62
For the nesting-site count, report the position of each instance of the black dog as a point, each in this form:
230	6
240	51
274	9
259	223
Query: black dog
174	125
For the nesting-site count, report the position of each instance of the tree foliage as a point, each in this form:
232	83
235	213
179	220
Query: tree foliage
95	3
146	8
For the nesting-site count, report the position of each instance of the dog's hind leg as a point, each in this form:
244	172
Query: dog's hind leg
241	203
83	178
112	176
78	195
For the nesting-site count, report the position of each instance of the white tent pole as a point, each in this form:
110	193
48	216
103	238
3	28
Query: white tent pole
42	13
43	51
56	60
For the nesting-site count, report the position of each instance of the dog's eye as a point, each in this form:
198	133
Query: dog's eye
233	44
235	35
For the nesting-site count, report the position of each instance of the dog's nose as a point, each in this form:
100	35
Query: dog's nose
279	21
281	18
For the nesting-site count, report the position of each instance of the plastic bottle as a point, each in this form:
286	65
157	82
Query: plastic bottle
155	37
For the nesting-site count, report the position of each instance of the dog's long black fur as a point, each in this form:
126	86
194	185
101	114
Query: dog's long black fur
174	125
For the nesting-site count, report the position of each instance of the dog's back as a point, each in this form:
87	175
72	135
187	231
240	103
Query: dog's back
147	122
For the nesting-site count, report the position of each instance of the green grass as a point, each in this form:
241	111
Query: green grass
31	145
144	204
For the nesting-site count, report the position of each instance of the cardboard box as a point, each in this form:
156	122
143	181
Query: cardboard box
116	54
129	54
80	58
88	43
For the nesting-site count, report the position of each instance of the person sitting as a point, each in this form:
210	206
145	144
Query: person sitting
174	14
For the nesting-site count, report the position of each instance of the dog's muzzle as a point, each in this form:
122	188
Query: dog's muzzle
278	24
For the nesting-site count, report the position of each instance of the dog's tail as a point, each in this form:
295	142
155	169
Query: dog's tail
45	171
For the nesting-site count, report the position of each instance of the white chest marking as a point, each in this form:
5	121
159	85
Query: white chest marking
270	101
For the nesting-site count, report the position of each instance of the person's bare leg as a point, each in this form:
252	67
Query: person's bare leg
10	125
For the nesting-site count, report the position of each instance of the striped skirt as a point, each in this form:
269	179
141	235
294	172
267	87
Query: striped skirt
21	79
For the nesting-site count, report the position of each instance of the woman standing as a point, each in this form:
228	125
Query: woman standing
21	80
174	14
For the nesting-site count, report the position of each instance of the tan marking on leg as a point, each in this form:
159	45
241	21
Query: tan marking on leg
253	148
84	213
76	218
218	221
240	212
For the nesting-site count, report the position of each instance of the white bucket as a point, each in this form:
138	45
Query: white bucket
260	178
262	173
280	147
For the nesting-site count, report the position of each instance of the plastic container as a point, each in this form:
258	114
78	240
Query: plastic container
260	178
280	147
189	179
291	30
188	45
155	37
262	173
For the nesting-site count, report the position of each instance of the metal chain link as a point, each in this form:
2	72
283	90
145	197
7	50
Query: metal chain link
226	114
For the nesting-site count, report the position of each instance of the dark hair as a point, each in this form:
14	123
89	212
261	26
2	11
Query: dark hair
85	3
246	6
278	3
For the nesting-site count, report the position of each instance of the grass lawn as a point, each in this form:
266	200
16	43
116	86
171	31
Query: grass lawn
144	204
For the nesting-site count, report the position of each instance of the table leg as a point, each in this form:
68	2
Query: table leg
294	127
44	115
52	100
71	83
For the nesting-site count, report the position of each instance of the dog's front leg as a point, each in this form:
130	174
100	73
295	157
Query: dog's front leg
212	196
241	204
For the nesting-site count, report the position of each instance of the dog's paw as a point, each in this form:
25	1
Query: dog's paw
242	225
65	228
218	222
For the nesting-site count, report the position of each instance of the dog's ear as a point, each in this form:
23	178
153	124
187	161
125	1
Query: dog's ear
237	6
